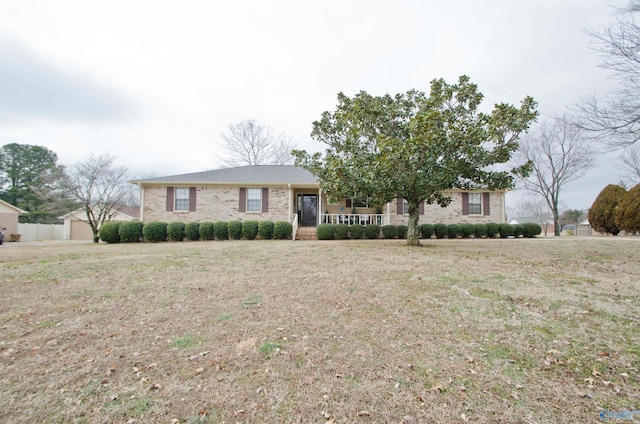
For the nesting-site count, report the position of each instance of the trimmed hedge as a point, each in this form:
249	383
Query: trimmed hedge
389	231
492	229
356	231
426	230
467	230
155	231
480	230
531	229
175	231
265	230
326	231
109	232
206	231
519	230
235	229
282	230
341	231
506	230
454	230
250	229
130	231
440	230
221	230
192	231
372	231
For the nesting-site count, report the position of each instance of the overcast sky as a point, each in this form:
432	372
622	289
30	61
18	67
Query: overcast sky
156	82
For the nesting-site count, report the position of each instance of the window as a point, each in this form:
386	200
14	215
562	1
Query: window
475	203
182	199
333	201
360	202
405	207
254	200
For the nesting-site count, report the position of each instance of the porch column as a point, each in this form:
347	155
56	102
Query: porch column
319	217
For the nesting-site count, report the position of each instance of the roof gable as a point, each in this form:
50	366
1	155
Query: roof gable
9	208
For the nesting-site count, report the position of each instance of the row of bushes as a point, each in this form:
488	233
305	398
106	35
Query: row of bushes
135	231
440	231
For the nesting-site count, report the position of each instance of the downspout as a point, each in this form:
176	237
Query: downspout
141	202
290	202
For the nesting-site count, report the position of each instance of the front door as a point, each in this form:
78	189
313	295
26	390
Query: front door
308	210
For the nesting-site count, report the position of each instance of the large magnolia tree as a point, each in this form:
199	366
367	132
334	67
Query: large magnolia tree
415	146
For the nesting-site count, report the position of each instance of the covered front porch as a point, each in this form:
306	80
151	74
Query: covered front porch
311	207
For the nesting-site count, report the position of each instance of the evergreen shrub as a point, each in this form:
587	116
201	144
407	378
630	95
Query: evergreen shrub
341	231
130	231
389	231
250	229
532	229
628	211
206	231
265	230
480	230
402	231
356	231
192	231
155	231
454	230
440	230
518	230
235	229
109	232
372	231
506	230
492	229
426	231
221	230
282	230
467	230
326	231
175	231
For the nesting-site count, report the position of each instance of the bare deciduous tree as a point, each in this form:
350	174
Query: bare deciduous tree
630	159
251	143
559	154
615	119
101	187
534	206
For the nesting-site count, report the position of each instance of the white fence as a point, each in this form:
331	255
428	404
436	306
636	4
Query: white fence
38	232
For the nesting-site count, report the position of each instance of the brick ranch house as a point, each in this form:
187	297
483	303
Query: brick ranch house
289	193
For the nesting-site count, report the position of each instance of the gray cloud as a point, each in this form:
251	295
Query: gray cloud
33	88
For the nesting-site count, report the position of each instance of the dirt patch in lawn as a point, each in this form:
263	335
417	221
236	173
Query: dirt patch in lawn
543	330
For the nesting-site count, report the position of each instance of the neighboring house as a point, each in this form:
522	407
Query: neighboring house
77	228
292	194
9	218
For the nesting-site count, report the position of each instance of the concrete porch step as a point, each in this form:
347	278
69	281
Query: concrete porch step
306	233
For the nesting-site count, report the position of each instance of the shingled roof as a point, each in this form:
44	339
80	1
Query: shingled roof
249	174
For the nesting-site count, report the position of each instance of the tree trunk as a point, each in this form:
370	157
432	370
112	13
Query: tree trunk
96	236
413	232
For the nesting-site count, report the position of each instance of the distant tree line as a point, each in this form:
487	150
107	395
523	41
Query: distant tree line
32	179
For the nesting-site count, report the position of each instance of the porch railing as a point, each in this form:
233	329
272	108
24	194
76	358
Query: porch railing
350	219
294	225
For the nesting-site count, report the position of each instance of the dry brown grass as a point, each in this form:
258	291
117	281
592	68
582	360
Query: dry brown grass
511	331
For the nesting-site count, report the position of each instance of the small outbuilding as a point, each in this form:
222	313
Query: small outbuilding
76	226
9	219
